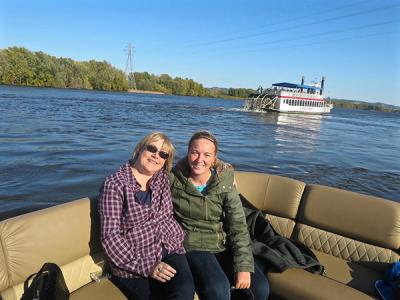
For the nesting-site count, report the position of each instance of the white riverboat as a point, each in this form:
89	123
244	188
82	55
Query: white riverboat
290	98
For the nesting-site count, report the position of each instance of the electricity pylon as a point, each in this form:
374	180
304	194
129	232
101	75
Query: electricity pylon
128	69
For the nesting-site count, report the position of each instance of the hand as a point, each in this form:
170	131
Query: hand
242	280
162	272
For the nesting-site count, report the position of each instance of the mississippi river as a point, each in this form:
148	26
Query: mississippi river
58	145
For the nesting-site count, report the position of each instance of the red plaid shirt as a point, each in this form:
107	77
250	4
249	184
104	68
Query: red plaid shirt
132	234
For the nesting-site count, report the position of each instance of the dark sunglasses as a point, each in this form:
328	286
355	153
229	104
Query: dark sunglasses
153	149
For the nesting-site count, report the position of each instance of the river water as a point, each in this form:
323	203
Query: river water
58	145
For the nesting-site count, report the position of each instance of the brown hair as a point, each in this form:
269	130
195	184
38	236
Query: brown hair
204	135
154	137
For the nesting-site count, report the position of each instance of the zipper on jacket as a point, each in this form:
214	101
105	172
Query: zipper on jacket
205	207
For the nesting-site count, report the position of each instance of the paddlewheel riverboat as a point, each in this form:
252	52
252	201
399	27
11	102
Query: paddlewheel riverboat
290	98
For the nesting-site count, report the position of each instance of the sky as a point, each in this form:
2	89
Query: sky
233	43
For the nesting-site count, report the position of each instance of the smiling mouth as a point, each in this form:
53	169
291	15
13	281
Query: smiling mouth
198	166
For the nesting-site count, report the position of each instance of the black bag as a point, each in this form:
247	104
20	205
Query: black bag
241	294
47	284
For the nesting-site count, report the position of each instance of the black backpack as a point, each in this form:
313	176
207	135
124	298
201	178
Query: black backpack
47	284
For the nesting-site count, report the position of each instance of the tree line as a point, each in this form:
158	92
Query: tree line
354	104
19	66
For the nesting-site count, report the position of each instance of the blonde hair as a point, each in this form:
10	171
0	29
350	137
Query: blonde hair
154	137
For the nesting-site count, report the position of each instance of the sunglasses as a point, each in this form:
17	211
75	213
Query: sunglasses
153	149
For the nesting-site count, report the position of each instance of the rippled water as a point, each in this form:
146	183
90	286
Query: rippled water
58	145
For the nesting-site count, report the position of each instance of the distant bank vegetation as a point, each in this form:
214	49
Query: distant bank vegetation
19	66
354	104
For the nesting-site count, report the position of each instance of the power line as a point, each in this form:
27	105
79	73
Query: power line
286	40
316	43
248	36
284	21
324	33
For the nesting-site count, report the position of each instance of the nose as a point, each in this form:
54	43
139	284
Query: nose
155	155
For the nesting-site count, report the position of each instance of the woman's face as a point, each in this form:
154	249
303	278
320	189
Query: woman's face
150	162
201	156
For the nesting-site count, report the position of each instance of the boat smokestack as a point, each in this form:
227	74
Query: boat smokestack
322	85
302	82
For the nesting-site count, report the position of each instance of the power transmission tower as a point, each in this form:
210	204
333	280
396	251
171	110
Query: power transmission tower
128	69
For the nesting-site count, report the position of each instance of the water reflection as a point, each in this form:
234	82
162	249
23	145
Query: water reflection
302	130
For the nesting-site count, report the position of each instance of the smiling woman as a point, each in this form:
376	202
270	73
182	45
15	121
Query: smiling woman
139	234
207	205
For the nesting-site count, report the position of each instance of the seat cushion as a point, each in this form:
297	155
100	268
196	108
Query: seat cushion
350	273
103	290
302	285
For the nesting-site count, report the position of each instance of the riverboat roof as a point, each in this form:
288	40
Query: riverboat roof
296	86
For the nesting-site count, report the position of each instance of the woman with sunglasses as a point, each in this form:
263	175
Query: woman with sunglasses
139	234
217	240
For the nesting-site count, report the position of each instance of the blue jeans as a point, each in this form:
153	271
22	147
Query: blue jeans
180	287
213	276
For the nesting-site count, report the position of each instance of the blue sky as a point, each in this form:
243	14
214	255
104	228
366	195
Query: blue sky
354	44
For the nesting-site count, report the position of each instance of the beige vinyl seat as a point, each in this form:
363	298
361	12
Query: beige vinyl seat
355	237
66	234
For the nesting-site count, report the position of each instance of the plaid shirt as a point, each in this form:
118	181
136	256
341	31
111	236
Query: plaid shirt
133	234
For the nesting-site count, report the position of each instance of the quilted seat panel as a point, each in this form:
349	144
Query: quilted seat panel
365	218
283	226
343	247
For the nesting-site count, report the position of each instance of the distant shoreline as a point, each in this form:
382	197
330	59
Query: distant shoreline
337	103
144	92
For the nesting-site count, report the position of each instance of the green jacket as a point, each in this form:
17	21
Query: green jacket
214	221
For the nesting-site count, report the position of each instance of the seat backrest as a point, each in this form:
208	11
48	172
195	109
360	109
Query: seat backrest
348	225
65	234
278	196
